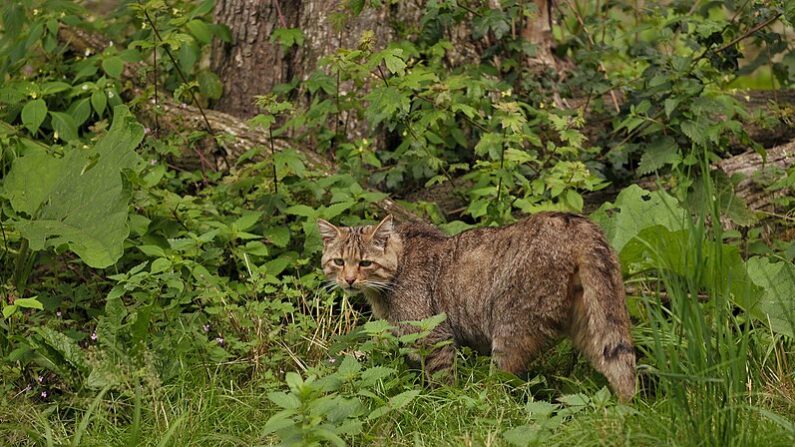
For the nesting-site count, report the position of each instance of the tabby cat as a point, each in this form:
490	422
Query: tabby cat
506	291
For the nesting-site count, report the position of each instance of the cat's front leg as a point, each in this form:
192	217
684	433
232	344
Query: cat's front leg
436	354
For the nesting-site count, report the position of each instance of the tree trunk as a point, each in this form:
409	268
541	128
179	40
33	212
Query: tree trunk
252	63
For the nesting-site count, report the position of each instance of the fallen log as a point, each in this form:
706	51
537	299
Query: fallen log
751	166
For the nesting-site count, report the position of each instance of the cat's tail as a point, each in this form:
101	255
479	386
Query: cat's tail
600	321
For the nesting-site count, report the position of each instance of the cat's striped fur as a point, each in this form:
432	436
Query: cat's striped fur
506	291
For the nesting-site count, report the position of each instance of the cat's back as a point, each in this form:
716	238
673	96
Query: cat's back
545	232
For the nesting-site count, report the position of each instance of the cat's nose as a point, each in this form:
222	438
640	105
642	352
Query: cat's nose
350	281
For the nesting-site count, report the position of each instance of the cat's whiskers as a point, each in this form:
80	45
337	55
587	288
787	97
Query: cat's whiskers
378	285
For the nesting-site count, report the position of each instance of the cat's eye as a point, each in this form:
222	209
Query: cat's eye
365	263
339	262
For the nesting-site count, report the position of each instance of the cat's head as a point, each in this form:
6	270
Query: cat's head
360	258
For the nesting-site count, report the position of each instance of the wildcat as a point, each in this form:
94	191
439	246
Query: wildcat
506	291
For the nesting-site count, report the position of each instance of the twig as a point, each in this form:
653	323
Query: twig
195	100
744	36
282	21
578	16
273	161
502	163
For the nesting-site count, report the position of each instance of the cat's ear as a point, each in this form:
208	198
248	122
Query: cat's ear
327	231
381	233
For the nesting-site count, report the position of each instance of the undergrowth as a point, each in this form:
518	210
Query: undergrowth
149	303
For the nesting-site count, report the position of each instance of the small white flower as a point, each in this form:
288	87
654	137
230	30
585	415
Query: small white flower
85	86
110	94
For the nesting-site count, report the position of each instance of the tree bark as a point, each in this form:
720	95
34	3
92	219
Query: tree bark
252	63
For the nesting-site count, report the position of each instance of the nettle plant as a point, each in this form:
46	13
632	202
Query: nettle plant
464	127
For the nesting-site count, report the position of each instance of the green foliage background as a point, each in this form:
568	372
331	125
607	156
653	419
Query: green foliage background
148	303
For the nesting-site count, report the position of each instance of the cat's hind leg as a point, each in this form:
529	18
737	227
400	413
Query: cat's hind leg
512	350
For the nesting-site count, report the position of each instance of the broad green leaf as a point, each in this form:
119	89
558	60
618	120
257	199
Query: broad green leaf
247	221
51	88
209	84
64	345
776	305
278	236
200	30
395	402
640	209
113	66
33	114
659	153
393	61
99	101
80	110
66	203
302	210
278	421
522	435
64	125
284	400
9	310
30	303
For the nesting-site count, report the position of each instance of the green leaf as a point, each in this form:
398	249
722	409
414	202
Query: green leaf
200	30
279	421
695	131
776	306
160	265
30	303
80	110
65	346
385	103
99	101
393	61
522	435
395	403
349	368
33	114
287	37
302	210
659	153
86	209
209	84
64	126
540	408
113	66
247	221
640	209
284	400
9	310
278	236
